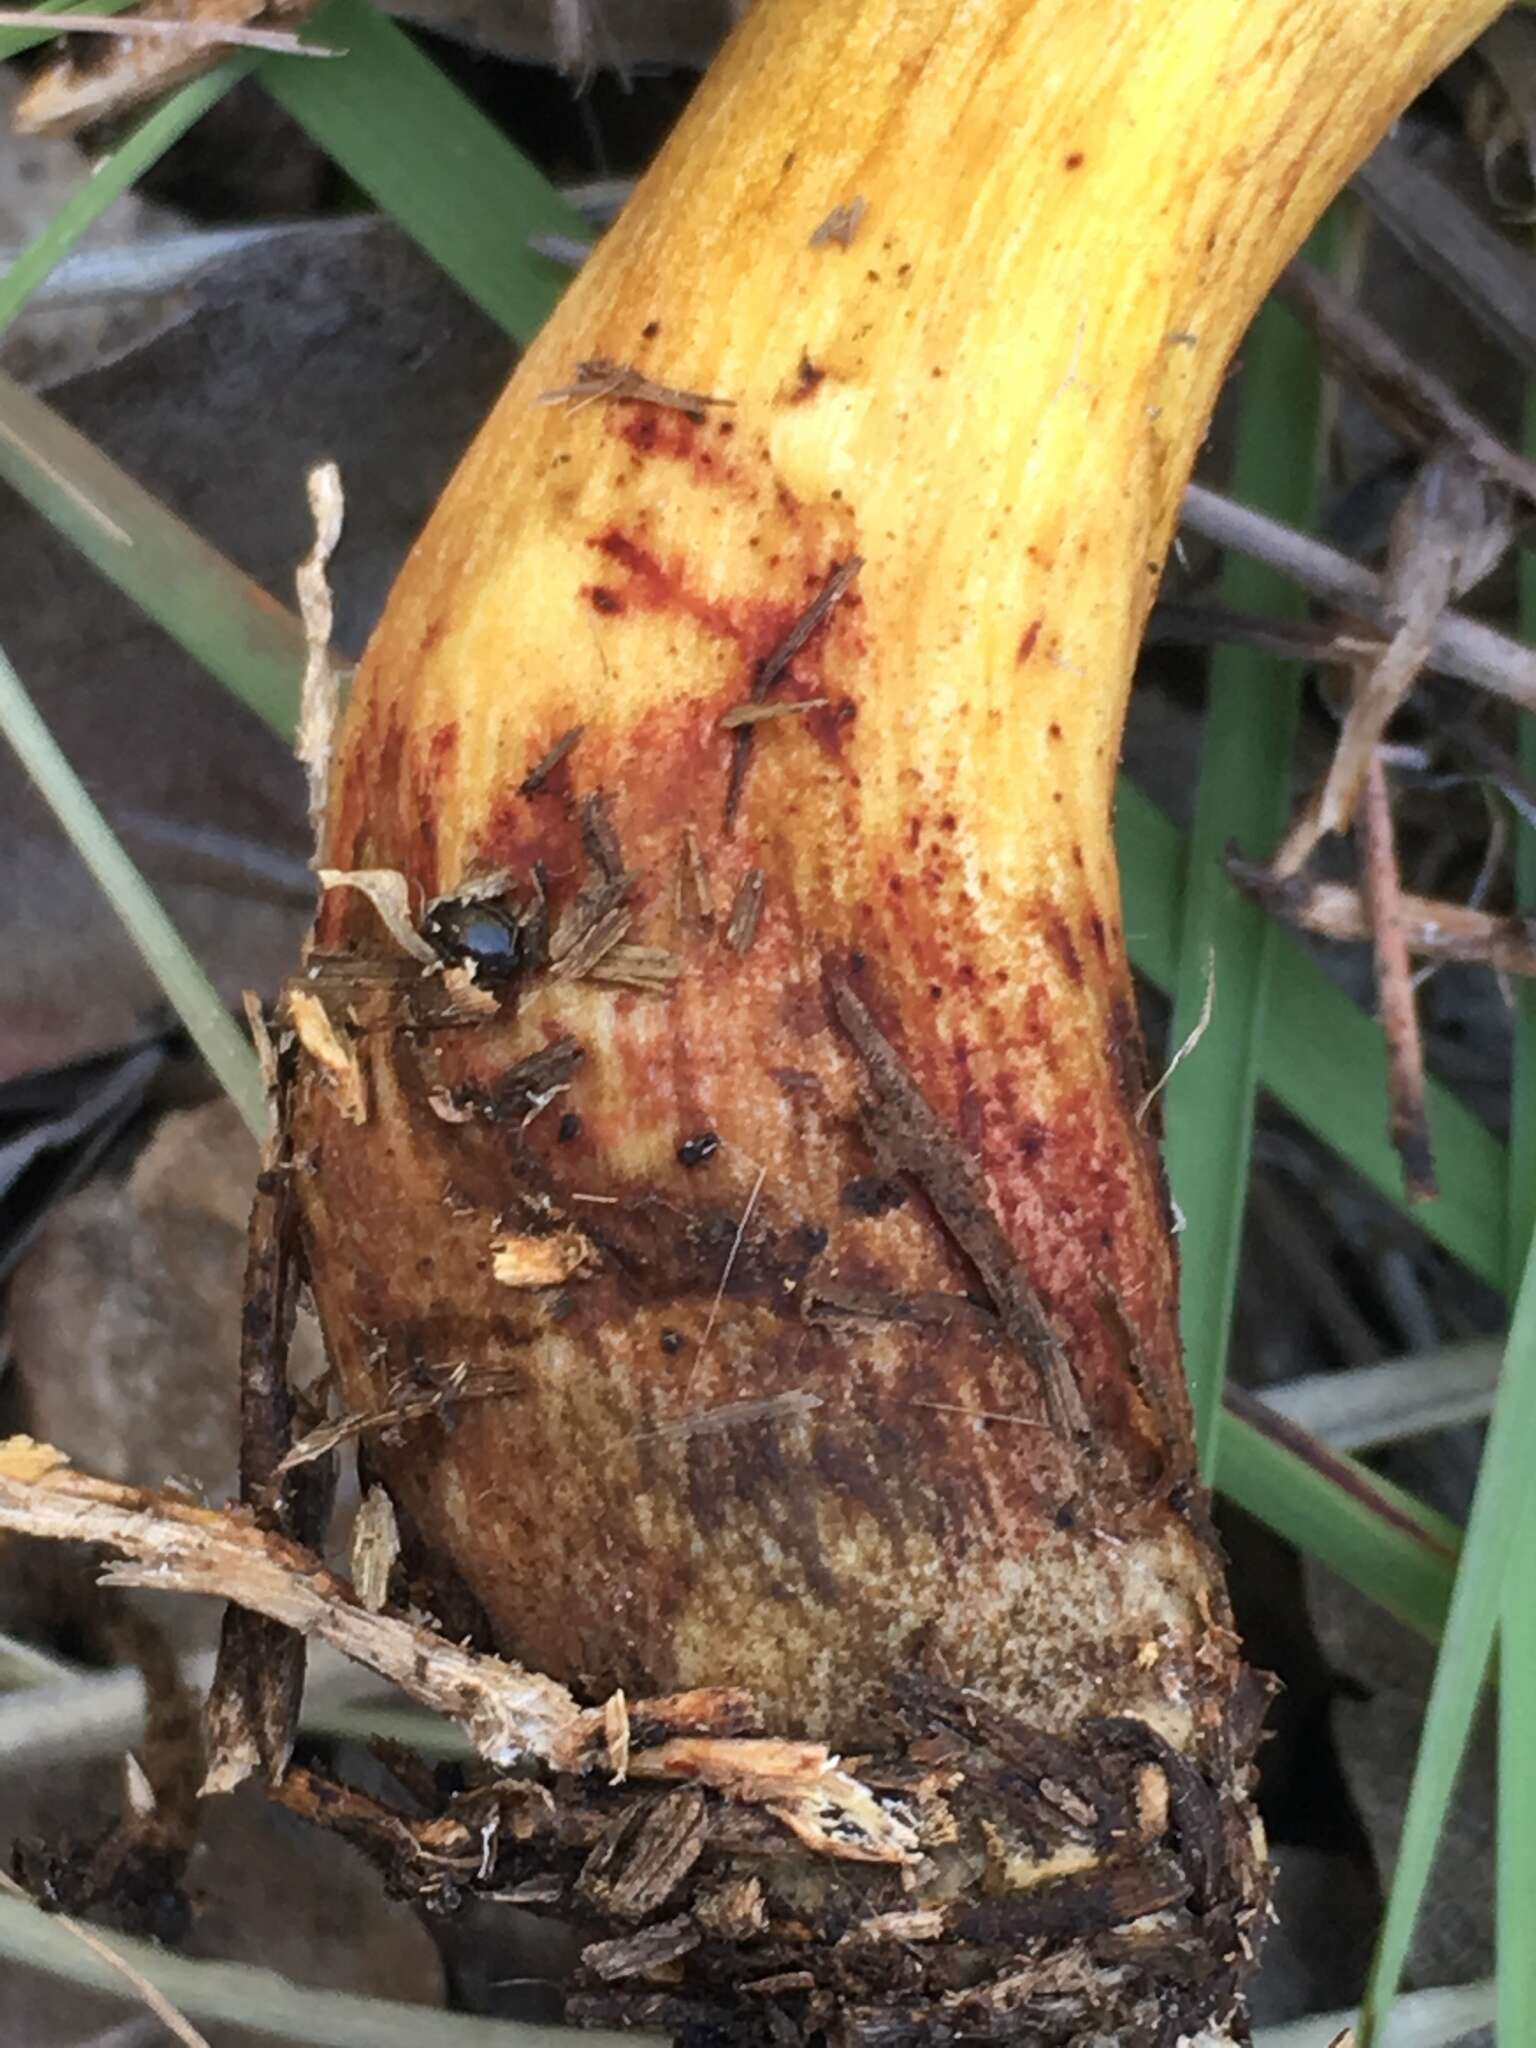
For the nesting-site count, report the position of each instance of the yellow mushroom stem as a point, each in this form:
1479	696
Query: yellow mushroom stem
775	1130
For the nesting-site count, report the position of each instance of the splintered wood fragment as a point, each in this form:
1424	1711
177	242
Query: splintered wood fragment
616	1736
336	1059
841	224
746	910
389	893
1432	928
253	1704
375	1546
733	1909
834	589
519	1259
600	839
633	1955
759	714
905	1132
693	878
574	953
1395	1001
637	967
261	1039
508	1714
599	378
799	1782
646	1854
547	763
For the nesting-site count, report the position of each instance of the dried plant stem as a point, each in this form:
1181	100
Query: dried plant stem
1432	929
1394	984
1461	646
174	2022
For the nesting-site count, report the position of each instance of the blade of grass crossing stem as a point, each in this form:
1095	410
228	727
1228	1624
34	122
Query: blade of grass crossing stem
1321	1056
1386	1544
1515	1893
1500	1513
431	160
188	989
250	642
1243	796
110	178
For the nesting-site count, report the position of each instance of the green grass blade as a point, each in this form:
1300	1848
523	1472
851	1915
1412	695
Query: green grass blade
109	179
165	954
1515	1894
1501	1515
237	1994
227	622
1389	1546
430	159
1321	1056
1252	705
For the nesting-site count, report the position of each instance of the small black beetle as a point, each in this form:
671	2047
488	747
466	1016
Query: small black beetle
485	937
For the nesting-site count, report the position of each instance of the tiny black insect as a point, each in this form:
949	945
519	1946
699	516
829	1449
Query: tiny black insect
570	1127
694	1151
485	937
671	1342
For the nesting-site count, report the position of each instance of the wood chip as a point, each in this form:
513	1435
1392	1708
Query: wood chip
546	764
337	1059
375	1546
646	1855
732	1910
518	1259
746	910
635	1955
693	880
637	967
759	714
839	580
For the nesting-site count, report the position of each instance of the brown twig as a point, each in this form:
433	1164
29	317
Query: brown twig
509	1714
1461	646
1433	929
1420	405
1446	537
1395	1001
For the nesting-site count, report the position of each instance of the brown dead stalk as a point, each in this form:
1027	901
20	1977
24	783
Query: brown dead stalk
1395	1001
1433	929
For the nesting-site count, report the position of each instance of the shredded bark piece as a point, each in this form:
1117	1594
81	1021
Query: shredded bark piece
1395	1001
693	876
574	954
599	378
336	1059
841	224
253	1704
320	692
634	1955
375	1546
646	1855
760	714
905	1130
547	763
746	911
650	967
839	579
389	893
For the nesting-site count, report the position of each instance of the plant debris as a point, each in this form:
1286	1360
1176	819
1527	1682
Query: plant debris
841	224
1395	1003
907	1137
542	769
389	893
599	378
320	694
834	589
746	910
